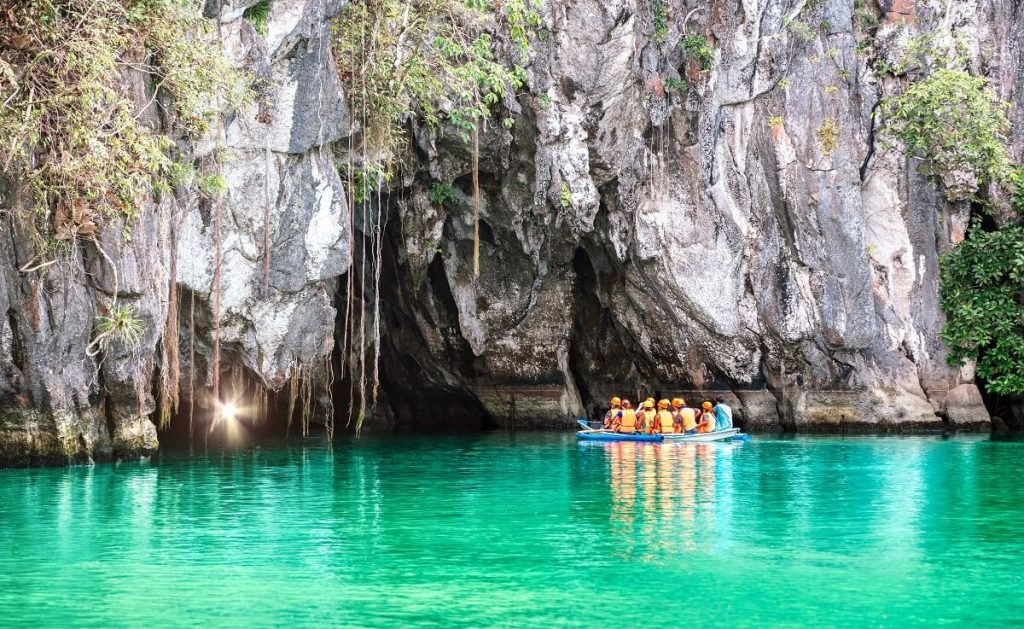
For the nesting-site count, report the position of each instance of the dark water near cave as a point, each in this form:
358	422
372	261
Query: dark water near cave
529	530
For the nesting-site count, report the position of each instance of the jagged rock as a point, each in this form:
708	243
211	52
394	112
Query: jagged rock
750	234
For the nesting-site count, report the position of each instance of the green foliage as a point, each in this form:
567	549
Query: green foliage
441	193
258	14
956	123
866	20
121	323
697	47
784	83
545	101
982	294
368	180
801	30
828	135
679	86
566	195
433	59
776	122
523	20
68	125
212	185
659	14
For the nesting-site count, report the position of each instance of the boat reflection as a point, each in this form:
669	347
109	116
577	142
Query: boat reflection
668	493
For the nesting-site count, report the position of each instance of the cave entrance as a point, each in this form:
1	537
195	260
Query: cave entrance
424	386
249	416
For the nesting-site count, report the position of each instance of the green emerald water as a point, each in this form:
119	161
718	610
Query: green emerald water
524	530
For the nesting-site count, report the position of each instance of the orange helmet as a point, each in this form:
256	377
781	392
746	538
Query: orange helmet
616	401
707	406
678	402
663	404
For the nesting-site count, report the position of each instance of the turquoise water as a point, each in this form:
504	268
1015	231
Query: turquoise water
528	530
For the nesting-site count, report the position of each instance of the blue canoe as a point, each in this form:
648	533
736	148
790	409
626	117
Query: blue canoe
607	435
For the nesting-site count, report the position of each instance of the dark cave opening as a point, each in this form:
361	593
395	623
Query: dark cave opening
420	386
195	423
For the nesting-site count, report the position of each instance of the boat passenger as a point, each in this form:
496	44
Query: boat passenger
647	417
707	419
665	422
625	421
687	416
723	414
616	408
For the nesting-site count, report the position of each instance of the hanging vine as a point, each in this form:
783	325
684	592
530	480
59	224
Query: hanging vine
430	60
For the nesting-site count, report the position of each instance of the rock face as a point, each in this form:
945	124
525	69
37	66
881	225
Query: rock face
57	403
651	224
655	227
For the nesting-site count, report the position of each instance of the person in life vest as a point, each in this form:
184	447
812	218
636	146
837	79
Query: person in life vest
625	421
665	421
616	408
707	418
723	414
687	416
647	417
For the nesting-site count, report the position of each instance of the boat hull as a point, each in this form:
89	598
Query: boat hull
607	435
703	437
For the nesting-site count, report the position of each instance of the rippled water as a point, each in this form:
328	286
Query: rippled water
524	530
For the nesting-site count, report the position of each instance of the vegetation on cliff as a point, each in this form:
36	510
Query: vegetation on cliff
959	127
72	129
982	292
435	63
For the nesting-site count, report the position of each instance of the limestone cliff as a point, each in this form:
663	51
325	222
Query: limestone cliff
649	224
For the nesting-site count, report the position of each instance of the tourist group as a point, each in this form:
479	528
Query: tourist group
674	417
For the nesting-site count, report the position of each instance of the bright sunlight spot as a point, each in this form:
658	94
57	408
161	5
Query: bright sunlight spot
228	411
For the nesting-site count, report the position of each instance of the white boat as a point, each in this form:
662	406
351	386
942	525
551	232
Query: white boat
702	437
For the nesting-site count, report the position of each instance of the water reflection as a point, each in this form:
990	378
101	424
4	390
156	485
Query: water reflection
673	494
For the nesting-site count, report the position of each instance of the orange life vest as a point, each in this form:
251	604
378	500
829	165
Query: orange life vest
665	422
689	418
709	426
627	422
647	420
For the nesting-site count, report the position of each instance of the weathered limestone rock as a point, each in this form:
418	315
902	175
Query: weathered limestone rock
965	408
750	234
282	185
647	227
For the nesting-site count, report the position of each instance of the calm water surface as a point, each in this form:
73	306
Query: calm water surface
524	530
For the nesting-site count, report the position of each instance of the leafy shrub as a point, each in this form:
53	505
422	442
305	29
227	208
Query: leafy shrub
68	126
659	13
982	294
441	193
676	85
801	30
258	14
956	123
696	47
434	60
